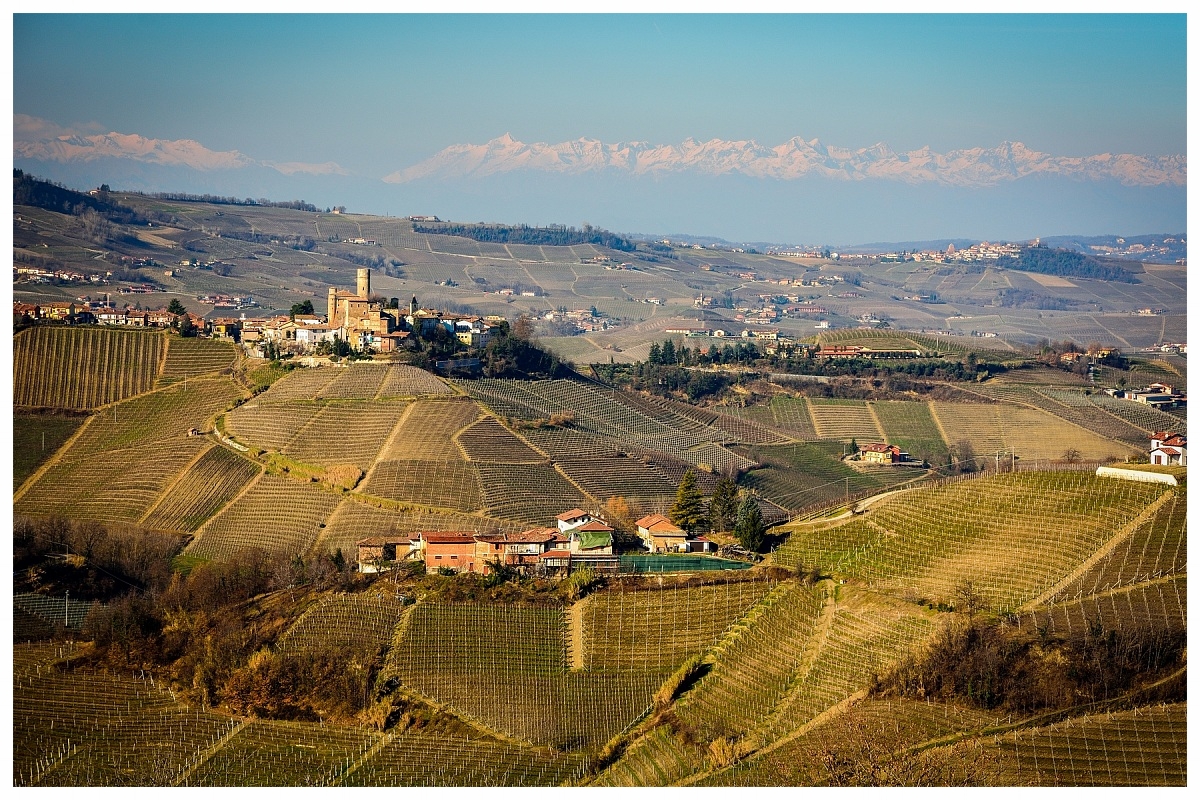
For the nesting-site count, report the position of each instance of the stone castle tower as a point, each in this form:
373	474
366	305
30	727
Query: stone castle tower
364	283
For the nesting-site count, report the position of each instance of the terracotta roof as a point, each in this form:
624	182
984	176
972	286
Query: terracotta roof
574	513
448	537
556	554
879	448
650	519
666	528
376	541
1171	451
535	535
594	526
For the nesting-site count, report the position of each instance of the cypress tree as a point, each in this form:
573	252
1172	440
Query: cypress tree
688	511
722	508
750	529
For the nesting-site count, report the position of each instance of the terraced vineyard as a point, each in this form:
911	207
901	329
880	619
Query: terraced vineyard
215	479
798	476
844	420
1032	434
506	667
83	368
658	630
117	467
345	433
912	428
356	622
1013	533
442	484
428	431
187	358
618	415
295	512
532	493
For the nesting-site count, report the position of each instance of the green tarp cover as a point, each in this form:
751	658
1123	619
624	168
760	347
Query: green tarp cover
591	540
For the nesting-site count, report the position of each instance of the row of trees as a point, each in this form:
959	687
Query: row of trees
553	235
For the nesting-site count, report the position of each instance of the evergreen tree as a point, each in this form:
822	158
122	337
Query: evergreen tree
176	307
750	529
723	507
655	356
688	511
668	352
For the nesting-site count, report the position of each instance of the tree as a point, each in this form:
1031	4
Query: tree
723	506
186	328
750	529
688	511
962	456
301	308
618	510
655	355
176	307
668	352
524	328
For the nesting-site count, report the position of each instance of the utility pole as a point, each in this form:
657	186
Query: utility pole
67	609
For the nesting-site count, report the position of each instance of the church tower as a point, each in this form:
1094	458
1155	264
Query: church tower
412	307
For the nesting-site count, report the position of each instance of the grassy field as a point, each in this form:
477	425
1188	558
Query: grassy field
83	368
911	427
36	437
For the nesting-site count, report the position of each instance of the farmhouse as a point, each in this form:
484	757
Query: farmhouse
522	550
882	454
592	538
573	519
1168	448
661	535
377	553
448	549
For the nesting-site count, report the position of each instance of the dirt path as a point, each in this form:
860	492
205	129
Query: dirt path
575	634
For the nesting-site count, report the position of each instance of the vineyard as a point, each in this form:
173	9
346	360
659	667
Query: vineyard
128	455
276	514
1013	533
84	368
215	479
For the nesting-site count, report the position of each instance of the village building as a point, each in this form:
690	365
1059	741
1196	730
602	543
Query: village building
882	454
520	550
1168	449
573	519
378	553
661	535
447	549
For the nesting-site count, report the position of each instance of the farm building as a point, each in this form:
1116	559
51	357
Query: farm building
522	550
450	549
594	538
1168	448
375	552
882	454
661	535
573	519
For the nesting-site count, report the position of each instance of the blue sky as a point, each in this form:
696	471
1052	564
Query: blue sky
376	94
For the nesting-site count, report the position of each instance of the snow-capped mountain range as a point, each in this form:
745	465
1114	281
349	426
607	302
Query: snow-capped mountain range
40	141
795	158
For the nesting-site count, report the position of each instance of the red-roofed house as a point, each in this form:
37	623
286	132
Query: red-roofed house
882	454
660	534
573	519
515	549
1168	448
450	549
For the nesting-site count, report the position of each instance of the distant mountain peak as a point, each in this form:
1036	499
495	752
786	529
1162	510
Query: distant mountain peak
795	158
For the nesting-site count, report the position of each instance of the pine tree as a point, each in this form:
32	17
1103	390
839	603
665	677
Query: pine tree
723	506
668	352
655	356
688	511
750	529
